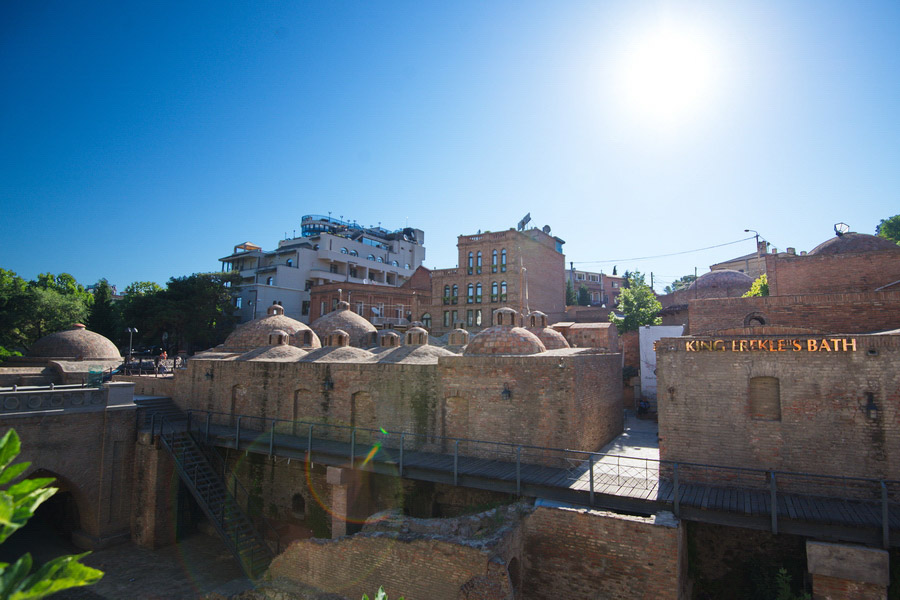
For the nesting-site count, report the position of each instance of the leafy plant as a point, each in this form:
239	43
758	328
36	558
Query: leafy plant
638	304
760	287
783	585
379	596
17	504
889	229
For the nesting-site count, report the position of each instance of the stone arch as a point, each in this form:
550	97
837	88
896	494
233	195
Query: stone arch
514	570
298	506
755	319
69	511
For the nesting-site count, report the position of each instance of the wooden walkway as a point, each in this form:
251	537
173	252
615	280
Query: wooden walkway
618	483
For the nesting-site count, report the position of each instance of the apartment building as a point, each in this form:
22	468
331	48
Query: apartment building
328	250
603	289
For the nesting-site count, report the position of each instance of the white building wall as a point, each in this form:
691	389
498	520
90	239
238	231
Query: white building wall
650	334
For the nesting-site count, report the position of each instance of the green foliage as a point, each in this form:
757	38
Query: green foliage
680	283
17	504
783	585
13	300
584	296
5	353
570	293
760	287
105	318
638	304
379	596
889	228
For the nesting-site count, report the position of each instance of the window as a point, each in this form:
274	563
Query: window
595	278
228	284
360	308
344	251
478	262
446	294
494	297
471	263
502	291
477	292
304	307
470	317
238	302
503	261
394	263
334	302
426	320
353	272
371	257
455	316
322	308
406	267
333	268
269	281
354	253
446	318
381	260
470	294
290	262
615	285
493	261
478	317
765	399
579	276
308	286
455	295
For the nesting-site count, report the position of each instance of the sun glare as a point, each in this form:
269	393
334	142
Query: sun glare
668	75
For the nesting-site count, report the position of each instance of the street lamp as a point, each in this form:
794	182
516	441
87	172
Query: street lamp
131	331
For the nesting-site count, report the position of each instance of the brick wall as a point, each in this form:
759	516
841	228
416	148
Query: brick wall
831	273
833	588
845	312
577	554
704	414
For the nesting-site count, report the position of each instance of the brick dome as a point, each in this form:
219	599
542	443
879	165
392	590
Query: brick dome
854	242
77	343
362	333
255	334
505	337
536	322
724	283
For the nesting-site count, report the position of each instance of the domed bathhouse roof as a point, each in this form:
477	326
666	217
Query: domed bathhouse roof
854	242
722	283
255	334
278	350
505	337
362	333
536	323
76	343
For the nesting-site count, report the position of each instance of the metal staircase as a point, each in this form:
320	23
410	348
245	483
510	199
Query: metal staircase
202	472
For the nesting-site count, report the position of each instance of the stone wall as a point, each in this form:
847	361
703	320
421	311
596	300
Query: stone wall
830	273
862	312
823	426
575	554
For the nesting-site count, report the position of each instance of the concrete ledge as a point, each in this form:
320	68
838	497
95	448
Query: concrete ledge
853	563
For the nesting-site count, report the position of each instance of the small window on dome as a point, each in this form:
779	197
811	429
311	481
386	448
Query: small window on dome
354	253
344	251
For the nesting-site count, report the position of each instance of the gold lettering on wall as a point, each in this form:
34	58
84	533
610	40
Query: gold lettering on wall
772	345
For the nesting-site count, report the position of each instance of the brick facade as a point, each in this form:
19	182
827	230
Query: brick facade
396	306
832	273
532	249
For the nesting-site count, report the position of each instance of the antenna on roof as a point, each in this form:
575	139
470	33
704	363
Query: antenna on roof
841	228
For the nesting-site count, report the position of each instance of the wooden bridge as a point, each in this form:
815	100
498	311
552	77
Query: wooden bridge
843	509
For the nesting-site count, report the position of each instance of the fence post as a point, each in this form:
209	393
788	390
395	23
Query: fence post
518	470
237	433
591	465
676	506
353	448
774	498
885	524
456	463
208	416
402	438
272	439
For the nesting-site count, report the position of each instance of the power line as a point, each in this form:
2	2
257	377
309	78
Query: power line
615	260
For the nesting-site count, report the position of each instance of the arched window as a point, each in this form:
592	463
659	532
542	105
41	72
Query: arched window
406	266
426	320
446	294
494	292
503	261
471	262
354	253
477	292
493	261
269	281
381	260
455	294
344	251
290	262
371	257
502	291
394	263
470	294
478	262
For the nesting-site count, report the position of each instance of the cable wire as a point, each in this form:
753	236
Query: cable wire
597	262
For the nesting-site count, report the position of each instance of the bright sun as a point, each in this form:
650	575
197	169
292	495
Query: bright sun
668	75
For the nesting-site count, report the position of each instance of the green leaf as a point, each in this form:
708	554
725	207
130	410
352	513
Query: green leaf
13	576
58	574
29	485
13	471
10	446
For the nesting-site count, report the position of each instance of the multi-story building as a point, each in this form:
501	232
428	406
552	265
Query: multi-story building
603	288
328	251
522	269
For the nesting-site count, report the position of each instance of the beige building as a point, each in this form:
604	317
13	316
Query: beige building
523	269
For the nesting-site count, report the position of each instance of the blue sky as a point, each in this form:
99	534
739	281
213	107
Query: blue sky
144	140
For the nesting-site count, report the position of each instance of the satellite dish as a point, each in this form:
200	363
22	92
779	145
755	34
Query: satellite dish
366	280
841	228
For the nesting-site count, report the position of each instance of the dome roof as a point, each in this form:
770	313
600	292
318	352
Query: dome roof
722	278
359	329
279	353
551	338
338	354
255	334
419	354
854	242
76	343
501	339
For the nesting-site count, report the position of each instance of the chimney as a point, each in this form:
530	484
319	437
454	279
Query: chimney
792	251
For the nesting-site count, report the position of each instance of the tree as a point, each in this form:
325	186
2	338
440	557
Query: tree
584	296
760	287
17	504
680	283
570	293
889	228
638	304
104	317
13	305
50	311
